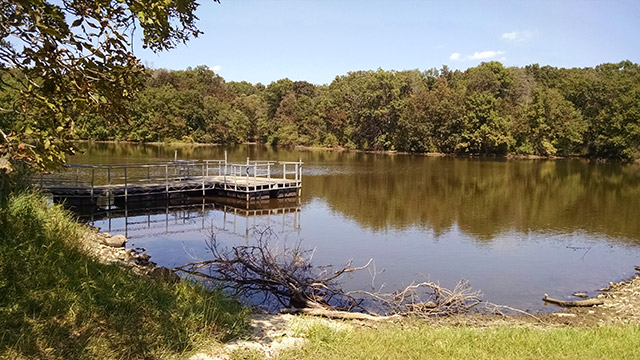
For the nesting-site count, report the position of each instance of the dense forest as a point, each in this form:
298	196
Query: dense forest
488	109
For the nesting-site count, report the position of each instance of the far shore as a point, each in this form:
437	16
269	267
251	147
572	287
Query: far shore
382	152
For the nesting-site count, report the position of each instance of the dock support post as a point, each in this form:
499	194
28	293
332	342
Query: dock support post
93	176
203	179
246	229
109	194
166	180
125	185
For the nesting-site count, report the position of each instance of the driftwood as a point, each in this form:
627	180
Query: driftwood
427	299
286	274
576	303
335	314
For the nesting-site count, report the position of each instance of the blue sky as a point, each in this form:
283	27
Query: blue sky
316	40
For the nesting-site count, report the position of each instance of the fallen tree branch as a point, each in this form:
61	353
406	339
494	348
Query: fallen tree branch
340	315
576	303
286	274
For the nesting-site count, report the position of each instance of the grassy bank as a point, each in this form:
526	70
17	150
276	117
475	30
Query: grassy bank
419	340
57	302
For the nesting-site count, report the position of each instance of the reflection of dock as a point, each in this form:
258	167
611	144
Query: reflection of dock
167	218
91	185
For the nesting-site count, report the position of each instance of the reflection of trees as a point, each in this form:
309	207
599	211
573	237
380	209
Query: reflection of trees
483	196
486	197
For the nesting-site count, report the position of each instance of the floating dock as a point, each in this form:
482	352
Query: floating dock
107	185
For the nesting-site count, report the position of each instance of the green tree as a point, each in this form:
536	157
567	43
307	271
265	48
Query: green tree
551	125
63	60
485	130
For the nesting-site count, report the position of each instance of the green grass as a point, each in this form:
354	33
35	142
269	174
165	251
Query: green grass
416	340
57	302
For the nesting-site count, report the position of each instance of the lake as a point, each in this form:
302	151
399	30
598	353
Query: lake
516	229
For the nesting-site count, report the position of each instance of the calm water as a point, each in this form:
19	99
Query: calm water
516	229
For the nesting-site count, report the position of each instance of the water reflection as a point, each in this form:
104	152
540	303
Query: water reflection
483	197
140	220
515	228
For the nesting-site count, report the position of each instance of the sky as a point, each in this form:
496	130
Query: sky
317	40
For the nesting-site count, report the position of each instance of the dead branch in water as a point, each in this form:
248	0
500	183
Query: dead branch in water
286	274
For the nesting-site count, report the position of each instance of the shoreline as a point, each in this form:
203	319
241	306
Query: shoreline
112	249
621	298
271	334
380	152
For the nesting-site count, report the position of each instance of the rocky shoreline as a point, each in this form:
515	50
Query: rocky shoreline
111	249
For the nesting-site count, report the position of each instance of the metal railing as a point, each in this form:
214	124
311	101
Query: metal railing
173	176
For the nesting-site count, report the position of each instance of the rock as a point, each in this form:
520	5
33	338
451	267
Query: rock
164	274
564	315
143	260
113	241
128	256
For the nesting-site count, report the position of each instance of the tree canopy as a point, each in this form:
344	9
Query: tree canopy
63	60
487	109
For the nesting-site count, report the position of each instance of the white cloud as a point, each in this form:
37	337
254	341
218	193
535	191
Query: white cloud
518	35
481	55
510	36
216	68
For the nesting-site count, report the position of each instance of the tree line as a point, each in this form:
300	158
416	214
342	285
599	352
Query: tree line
487	109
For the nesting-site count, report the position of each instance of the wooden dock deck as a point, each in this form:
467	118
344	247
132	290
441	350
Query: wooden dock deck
95	185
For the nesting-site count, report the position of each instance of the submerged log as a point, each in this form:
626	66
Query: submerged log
576	303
